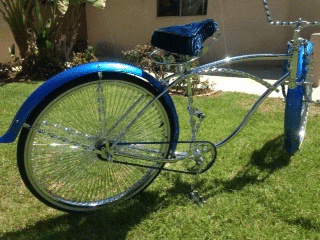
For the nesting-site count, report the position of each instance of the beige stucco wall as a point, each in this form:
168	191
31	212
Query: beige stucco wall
124	24
6	39
309	10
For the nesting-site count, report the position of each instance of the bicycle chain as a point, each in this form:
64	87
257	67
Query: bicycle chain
164	168
91	148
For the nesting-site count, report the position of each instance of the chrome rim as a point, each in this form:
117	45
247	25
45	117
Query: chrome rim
65	173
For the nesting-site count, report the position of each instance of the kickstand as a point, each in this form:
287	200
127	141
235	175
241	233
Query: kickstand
195	197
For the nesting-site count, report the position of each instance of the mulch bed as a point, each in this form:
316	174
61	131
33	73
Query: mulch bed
13	76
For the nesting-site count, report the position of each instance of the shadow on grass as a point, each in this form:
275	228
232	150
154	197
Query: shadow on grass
305	223
263	163
113	223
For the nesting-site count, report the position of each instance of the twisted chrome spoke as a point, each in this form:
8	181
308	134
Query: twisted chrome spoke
91	148
101	108
102	121
124	115
64	140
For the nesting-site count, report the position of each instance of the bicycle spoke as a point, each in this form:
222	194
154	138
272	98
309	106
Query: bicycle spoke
101	108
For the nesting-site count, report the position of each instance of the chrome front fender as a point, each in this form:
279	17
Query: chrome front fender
72	74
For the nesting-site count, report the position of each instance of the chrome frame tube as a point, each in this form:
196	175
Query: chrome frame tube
251	111
201	70
243	58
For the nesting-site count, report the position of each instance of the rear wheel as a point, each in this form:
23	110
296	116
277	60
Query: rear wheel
60	155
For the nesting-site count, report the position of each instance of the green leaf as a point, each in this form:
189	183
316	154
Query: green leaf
48	44
4	15
12	50
48	24
63	6
97	3
38	15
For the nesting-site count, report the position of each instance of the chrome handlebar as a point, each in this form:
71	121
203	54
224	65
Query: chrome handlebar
296	24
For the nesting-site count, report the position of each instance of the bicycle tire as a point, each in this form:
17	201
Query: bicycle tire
297	103
72	179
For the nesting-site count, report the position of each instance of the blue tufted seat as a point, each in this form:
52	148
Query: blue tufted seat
184	39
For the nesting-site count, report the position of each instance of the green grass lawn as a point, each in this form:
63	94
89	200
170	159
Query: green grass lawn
254	190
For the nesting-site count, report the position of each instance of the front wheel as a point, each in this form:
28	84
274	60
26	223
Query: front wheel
298	99
60	151
296	113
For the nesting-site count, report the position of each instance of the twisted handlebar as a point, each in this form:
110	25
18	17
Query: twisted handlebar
298	23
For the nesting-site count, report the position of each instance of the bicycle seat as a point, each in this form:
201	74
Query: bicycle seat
184	39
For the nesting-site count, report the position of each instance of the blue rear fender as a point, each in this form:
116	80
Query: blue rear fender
72	74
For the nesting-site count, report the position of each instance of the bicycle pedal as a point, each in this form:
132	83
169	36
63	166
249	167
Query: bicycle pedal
195	197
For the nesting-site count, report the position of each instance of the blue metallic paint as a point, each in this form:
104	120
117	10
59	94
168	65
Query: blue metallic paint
72	74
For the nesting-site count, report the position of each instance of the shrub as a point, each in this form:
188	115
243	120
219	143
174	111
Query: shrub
4	70
140	56
82	57
45	32
39	69
198	87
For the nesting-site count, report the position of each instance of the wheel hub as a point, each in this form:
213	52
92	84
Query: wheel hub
103	150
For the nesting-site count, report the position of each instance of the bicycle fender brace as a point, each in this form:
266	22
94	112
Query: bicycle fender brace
72	74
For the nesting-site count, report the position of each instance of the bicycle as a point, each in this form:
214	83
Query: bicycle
100	133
